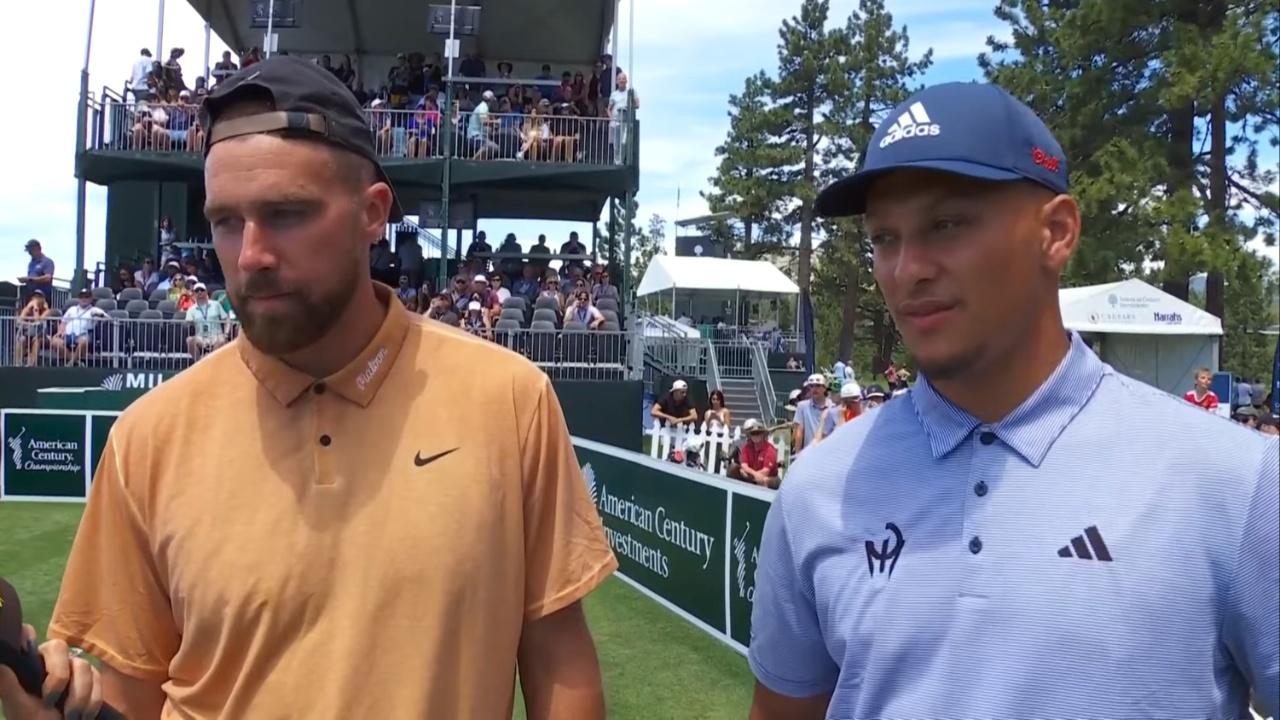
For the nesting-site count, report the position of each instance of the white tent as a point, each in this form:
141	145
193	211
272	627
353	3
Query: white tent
666	273
1146	333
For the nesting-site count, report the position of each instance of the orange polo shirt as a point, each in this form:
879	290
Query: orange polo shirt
365	546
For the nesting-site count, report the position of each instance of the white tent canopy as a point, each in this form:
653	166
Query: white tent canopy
1132	307
666	273
1146	333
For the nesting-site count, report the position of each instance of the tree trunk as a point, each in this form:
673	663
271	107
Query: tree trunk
1215	285
806	204
1181	165
849	310
878	329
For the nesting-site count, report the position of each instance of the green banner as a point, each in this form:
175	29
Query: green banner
686	538
745	530
44	455
667	532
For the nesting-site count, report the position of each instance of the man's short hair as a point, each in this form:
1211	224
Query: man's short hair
1204	371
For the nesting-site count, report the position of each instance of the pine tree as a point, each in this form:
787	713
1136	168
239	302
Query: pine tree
810	75
746	182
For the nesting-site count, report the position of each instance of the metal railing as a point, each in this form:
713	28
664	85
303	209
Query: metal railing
763	384
175	128
686	357
733	357
713	370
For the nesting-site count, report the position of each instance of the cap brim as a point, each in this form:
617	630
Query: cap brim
848	196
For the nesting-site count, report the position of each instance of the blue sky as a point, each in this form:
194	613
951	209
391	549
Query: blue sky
688	58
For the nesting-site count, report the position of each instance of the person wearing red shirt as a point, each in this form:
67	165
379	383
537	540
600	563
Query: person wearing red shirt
1202	396
756	461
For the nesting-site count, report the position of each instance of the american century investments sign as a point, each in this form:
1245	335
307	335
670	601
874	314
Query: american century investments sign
688	539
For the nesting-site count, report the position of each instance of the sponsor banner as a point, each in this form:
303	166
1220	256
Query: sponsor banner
45	455
688	539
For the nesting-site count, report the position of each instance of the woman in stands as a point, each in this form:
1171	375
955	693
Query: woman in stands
476	320
537	132
124	279
551	289
584	312
718	417
31	329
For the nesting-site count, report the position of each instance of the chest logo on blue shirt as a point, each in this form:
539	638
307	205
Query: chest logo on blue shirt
1080	546
885	554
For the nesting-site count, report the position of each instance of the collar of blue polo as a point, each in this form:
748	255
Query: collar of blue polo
1033	426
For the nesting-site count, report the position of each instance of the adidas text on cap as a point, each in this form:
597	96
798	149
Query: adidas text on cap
973	129
308	100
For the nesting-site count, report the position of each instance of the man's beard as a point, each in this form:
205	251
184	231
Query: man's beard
309	316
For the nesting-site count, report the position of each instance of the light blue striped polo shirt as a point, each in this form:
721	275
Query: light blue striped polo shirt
1105	551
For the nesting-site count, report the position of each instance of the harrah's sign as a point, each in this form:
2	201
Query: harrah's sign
1172	318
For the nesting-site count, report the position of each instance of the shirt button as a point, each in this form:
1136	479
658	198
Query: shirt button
987	437
975	545
318	388
980	488
325	440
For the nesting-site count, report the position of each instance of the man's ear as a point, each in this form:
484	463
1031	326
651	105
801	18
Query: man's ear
1060	223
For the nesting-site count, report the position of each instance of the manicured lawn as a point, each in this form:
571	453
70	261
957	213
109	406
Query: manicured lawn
655	665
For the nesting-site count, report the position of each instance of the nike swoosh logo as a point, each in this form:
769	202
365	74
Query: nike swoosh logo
420	461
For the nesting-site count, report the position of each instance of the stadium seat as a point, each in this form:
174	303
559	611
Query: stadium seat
610	316
607	304
103	293
546	303
106	304
167	308
129	294
515	301
575	326
135	308
610	325
158	295
507	333
515	315
118	314
547	316
542	341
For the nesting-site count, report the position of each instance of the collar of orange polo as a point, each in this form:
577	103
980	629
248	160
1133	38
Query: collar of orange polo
358	382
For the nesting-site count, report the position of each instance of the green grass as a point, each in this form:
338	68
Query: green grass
656	666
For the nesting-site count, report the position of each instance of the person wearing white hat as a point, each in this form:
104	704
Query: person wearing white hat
756	459
210	321
693	452
675	407
811	422
480	127
849	408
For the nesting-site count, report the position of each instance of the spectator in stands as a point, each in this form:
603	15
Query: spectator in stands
812	424
581	310
850	408
578	89
717	417
344	71
496	280
536	133
551	289
31	329
540	248
167	234
146	278
505	68
511	266
173	70
476	319
793	363
545	75
422	128
1200	395
382	262
442	309
756	460
675	407
472	66
873	397
480	290
123	279
460	294
479	246
622	108
526	286
574	246
210	323
75	331
409	258
187	299
39	271
407	294
572	280
171	270
398	79
602	287
198	94
138	77
224	68
480	128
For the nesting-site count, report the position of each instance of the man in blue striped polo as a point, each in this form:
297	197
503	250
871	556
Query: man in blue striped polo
1005	541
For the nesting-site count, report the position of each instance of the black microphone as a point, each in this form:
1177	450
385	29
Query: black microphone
22	658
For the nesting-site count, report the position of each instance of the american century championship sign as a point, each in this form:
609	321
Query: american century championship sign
687	539
46	455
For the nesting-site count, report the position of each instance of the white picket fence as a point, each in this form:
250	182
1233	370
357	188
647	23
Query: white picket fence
715	443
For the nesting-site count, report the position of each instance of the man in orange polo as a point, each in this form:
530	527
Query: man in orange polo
317	539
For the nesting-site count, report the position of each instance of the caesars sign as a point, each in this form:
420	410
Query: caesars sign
686	538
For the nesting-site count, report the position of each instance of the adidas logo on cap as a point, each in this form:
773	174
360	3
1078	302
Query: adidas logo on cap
913	123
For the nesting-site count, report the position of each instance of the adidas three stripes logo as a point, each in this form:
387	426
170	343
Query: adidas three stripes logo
1088	546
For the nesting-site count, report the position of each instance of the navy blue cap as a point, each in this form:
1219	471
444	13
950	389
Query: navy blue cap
974	129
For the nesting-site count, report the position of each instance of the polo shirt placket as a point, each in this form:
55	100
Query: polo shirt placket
987	454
